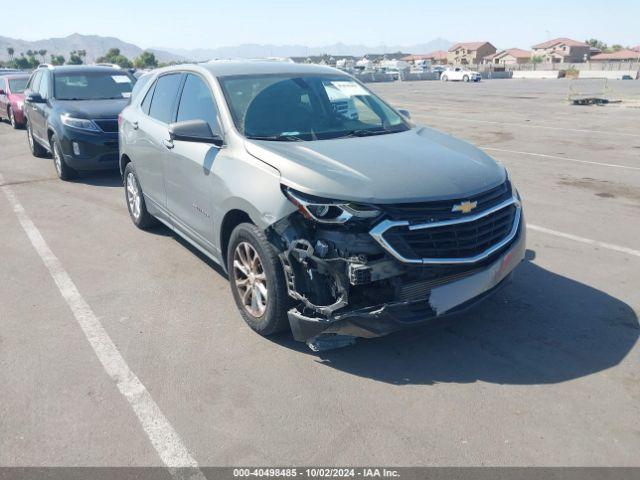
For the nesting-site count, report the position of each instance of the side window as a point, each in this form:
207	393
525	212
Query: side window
146	103
164	97
43	89
196	103
34	83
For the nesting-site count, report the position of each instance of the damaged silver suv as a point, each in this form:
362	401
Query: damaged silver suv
332	213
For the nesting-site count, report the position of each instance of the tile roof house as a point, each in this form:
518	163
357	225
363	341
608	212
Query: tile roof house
469	53
625	55
510	56
637	49
439	57
562	50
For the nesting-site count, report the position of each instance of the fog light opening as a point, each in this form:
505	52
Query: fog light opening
76	148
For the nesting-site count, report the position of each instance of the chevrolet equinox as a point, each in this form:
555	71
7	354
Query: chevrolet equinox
332	213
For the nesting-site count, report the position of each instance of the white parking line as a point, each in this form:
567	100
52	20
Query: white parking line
163	437
527	125
555	157
588	241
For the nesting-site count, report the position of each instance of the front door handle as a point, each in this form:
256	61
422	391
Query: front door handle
134	125
168	144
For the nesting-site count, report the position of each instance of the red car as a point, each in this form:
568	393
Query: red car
12	98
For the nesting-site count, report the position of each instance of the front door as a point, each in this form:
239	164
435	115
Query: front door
188	171
151	135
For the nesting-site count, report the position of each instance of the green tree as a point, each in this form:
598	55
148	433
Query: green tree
74	58
616	47
113	55
145	60
57	59
537	59
43	54
21	63
595	43
10	51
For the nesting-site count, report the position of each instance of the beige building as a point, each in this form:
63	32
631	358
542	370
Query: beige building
439	57
470	53
623	55
562	50
511	56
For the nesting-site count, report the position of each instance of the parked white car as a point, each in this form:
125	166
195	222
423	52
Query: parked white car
460	74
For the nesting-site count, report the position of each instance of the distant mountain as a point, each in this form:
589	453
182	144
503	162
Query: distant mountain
260	51
95	46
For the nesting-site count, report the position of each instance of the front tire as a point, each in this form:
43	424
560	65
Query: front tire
136	205
445	78
257	280
64	171
465	79
37	150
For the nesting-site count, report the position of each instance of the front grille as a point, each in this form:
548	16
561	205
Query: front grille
109	126
442	209
454	241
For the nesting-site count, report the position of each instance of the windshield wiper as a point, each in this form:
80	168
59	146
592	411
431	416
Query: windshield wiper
363	132
277	138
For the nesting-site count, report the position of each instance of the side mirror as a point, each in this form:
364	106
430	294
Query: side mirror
405	113
194	131
33	97
2	92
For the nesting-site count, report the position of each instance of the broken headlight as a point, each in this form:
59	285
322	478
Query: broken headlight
329	211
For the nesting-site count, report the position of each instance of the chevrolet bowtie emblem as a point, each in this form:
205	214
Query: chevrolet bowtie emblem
464	207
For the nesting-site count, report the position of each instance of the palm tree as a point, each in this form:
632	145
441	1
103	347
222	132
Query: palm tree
42	52
11	51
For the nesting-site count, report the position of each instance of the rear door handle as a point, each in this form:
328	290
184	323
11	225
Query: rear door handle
134	125
168	144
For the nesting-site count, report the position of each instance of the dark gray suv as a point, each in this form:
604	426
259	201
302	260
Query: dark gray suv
72	113
332	213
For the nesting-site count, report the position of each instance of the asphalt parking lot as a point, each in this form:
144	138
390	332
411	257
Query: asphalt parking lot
547	372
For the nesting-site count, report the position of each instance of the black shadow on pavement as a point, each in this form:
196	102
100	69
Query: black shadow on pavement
542	328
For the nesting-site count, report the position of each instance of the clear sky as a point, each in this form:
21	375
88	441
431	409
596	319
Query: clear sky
213	23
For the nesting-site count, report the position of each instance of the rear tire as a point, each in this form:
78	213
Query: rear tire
465	79
64	171
445	78
37	150
136	205
257	280
12	119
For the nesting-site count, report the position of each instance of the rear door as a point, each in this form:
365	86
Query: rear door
188	171
158	111
4	97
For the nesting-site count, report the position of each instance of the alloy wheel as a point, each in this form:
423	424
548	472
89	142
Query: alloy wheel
250	279
133	195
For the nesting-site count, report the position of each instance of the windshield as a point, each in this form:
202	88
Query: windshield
92	86
285	108
18	85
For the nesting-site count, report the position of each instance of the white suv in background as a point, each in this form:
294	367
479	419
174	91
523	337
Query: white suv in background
460	74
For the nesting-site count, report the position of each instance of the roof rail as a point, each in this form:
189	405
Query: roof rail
112	65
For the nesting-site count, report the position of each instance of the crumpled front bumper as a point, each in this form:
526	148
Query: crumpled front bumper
379	320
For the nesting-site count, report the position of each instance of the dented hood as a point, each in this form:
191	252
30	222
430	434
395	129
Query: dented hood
416	165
